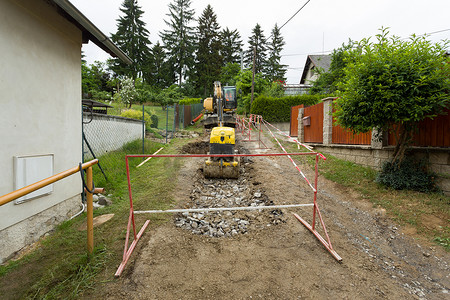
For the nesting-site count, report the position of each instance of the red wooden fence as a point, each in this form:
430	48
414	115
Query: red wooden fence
431	133
293	130
344	136
314	132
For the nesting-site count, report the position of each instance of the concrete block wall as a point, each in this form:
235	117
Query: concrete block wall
438	158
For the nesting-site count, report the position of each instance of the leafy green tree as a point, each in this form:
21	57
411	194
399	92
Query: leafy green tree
132	38
275	89
256	40
209	60
127	93
169	96
178	40
244	83
87	81
393	82
275	70
95	81
229	73
231	46
327	83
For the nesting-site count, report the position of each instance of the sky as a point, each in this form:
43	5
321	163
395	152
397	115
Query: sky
320	27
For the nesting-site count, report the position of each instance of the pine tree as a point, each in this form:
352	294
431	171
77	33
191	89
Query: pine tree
232	46
179	38
258	41
208	58
162	73
275	70
132	38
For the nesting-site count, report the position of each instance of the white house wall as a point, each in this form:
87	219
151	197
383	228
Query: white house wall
40	103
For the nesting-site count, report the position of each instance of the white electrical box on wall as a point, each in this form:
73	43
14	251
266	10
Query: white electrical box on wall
31	169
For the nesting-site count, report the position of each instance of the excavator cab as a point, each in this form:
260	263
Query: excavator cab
230	101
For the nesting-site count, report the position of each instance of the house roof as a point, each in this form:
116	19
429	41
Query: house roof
318	61
90	31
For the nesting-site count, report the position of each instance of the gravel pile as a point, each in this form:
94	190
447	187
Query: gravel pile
208	193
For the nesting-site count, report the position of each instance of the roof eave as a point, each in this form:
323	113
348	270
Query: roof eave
93	33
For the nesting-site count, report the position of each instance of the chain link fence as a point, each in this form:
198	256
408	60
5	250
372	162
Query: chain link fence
109	137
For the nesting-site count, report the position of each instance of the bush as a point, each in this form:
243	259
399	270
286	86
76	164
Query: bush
154	119
407	175
279	109
136	114
187	101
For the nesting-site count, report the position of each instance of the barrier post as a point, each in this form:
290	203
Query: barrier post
259	132
315	193
127	251
90	211
249	127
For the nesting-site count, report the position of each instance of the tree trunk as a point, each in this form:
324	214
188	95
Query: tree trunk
403	142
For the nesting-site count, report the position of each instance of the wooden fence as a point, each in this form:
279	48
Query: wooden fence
431	132
313	133
293	129
343	136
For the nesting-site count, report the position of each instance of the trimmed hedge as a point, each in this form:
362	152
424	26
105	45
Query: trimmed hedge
187	101
279	109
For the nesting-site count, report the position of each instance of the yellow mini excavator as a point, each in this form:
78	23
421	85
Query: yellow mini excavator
222	105
222	141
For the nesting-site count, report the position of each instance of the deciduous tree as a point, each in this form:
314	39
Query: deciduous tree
393	83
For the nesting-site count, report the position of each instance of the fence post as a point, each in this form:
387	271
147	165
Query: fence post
328	120
143	130
167	121
377	139
300	129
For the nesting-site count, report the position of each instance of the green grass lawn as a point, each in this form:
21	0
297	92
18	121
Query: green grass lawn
427	213
59	267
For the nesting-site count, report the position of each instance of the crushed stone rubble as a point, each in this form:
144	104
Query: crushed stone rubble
208	193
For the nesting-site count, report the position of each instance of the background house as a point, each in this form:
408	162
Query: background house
40	132
313	63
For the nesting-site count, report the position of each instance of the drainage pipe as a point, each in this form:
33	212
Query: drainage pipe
196	119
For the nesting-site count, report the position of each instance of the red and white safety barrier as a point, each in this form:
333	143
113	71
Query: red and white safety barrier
131	221
325	242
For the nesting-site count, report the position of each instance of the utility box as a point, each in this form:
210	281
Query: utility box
31	169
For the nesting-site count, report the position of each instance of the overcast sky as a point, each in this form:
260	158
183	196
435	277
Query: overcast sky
322	25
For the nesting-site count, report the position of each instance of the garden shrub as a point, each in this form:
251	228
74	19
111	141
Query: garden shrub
407	175
136	114
279	109
154	119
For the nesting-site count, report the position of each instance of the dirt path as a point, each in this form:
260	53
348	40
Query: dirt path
284	260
